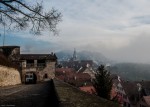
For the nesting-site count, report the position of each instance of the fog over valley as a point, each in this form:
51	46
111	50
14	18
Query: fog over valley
117	29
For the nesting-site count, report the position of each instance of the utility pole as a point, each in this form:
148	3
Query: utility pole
4	22
4	36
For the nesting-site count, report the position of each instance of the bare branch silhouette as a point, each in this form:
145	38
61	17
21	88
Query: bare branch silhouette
18	14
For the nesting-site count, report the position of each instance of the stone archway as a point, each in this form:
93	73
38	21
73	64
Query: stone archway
30	78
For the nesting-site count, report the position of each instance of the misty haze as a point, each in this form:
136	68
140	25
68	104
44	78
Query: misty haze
52	51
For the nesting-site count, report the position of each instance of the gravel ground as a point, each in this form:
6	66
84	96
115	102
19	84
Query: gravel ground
33	95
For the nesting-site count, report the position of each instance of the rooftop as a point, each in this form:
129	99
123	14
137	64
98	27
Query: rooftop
38	56
9	46
147	99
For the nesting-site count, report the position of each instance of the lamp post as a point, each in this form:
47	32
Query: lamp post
4	23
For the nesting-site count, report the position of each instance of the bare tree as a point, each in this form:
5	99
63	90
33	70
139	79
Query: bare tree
19	14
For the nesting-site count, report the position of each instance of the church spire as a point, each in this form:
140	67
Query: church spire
74	55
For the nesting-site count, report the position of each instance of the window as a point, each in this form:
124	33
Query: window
30	63
45	76
41	63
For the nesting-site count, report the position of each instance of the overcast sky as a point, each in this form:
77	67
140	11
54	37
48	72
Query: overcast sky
119	29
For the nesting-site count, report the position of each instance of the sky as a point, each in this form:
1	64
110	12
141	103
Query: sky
119	29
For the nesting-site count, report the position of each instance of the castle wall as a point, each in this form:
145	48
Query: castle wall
9	76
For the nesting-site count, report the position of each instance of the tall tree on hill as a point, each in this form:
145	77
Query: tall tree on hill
102	82
19	14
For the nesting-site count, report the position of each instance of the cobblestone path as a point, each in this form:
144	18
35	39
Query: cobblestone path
33	95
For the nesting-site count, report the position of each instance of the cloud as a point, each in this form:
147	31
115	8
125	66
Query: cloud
117	28
138	51
141	20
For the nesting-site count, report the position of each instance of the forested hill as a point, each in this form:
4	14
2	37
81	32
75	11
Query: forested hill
132	71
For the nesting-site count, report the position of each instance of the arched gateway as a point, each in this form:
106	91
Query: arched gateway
30	78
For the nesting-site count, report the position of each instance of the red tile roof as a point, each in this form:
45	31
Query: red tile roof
83	76
89	89
64	70
147	100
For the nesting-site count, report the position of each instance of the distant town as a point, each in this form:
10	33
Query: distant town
80	74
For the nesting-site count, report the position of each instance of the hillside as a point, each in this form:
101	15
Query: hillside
132	71
129	71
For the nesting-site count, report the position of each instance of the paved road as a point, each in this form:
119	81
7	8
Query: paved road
35	95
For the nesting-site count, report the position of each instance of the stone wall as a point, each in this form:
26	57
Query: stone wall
70	96
49	70
9	76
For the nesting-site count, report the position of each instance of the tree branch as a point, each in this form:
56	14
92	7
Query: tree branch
34	17
15	9
11	17
29	8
